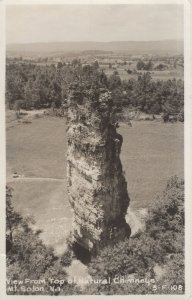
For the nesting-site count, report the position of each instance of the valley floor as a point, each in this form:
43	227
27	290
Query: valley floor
151	153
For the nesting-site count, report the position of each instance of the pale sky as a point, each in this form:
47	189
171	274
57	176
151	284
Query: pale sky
48	23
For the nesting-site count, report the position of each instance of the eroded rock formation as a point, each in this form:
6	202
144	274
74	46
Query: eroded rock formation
96	184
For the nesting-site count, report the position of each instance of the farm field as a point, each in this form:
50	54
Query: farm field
156	75
151	153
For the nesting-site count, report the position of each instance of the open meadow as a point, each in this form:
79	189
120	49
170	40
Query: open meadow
151	153
156	75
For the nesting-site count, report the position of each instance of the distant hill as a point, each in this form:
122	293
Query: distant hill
129	47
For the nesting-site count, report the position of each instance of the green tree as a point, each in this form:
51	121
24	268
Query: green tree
96	65
162	243
140	65
148	65
114	81
13	219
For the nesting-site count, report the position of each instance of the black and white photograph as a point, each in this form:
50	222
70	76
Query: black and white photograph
95	126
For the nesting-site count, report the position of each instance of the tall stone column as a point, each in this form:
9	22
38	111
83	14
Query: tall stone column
96	185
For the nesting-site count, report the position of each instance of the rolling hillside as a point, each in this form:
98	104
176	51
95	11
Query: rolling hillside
163	47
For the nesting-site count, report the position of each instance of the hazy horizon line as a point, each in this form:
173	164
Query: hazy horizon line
97	41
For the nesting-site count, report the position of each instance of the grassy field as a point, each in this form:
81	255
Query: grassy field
151	153
47	203
156	75
38	148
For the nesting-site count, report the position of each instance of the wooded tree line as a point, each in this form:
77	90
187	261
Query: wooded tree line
141	65
35	86
148	95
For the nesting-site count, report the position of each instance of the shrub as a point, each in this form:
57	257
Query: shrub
180	116
162	244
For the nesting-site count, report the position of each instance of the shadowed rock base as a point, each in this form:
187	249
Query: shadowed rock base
96	184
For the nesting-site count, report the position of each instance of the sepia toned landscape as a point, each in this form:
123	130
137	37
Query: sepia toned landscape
95	128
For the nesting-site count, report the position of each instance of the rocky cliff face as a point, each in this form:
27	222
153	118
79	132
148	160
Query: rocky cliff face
96	184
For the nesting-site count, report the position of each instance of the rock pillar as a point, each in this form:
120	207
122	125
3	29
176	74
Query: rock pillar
96	184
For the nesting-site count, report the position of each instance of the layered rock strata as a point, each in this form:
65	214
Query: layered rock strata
96	185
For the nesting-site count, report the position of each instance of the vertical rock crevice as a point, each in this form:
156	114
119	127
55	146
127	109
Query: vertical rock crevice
96	184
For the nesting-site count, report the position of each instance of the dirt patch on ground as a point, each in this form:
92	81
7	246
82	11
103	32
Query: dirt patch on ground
24	117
